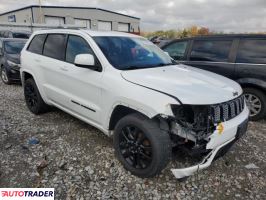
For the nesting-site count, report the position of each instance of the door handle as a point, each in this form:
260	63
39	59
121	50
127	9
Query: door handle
37	60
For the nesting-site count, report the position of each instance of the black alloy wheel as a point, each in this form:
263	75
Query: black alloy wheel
30	96
141	146
135	147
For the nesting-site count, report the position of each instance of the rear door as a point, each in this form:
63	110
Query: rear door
82	23
123	27
57	21
215	55
104	26
251	58
52	68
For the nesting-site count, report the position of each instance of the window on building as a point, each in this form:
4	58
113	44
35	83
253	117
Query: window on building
36	44
252	51
211	50
55	46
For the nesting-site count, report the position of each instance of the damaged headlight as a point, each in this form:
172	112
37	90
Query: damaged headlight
197	118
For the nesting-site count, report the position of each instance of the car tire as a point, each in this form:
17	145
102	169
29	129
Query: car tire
4	76
33	98
141	146
255	97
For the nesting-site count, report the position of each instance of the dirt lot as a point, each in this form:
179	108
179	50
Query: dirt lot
78	160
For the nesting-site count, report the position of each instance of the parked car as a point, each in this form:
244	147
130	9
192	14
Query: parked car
239	57
10	59
130	89
159	41
15	34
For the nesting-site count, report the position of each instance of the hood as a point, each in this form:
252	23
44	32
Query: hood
190	85
14	58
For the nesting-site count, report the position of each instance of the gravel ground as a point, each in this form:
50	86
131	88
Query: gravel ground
78	160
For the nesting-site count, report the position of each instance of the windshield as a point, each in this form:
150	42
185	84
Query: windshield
127	53
14	47
21	35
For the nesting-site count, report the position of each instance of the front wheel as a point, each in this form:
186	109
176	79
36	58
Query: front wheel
141	146
4	76
256	102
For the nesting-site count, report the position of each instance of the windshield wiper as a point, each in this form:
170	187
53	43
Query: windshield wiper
131	67
163	64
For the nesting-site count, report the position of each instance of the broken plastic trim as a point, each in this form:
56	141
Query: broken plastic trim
206	162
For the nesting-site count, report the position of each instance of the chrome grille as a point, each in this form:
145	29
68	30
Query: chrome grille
228	110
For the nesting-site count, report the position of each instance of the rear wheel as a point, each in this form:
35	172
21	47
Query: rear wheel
256	102
33	98
4	76
141	146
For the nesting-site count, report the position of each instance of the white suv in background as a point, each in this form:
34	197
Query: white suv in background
130	89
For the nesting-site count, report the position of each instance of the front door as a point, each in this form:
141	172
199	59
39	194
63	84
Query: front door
82	85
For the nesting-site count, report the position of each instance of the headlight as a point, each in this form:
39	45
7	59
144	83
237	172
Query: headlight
13	64
197	117
183	112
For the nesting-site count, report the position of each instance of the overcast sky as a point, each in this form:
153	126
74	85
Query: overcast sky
218	15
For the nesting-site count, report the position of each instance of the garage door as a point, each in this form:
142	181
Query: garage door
123	27
82	23
104	26
54	20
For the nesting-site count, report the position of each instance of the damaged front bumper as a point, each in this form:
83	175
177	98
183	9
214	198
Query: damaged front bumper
233	130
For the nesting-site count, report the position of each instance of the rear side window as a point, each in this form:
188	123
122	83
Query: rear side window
55	46
76	45
177	50
21	35
251	51
214	50
36	44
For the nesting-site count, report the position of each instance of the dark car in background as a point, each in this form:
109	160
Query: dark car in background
15	34
159	40
238	57
10	49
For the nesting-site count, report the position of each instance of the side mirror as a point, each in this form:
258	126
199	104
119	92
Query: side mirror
86	61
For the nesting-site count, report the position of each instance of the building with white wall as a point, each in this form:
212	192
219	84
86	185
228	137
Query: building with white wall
61	16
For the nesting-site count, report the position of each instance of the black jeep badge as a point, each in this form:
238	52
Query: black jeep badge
235	94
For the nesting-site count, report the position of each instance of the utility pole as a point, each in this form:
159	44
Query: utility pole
40	12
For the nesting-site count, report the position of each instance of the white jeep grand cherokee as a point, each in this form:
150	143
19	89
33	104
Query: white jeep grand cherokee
131	90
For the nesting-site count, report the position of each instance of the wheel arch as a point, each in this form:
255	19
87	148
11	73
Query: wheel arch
252	82
26	75
121	111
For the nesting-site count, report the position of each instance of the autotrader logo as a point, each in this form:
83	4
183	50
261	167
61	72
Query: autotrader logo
27	193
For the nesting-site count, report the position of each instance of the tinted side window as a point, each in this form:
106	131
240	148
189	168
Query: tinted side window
21	35
177	50
55	46
252	51
76	45
215	51
36	44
